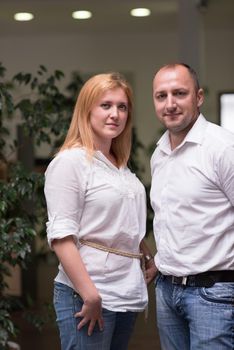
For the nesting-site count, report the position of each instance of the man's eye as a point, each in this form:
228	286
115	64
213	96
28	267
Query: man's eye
180	93
160	97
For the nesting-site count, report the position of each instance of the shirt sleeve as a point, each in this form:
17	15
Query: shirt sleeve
226	172
65	184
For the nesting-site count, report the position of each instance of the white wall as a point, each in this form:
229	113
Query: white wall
134	54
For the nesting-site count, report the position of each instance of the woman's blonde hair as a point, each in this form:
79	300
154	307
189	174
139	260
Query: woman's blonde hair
80	132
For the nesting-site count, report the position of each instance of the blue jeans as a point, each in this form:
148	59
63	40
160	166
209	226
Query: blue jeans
192	318
118	326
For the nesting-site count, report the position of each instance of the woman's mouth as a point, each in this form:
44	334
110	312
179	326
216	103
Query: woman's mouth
112	124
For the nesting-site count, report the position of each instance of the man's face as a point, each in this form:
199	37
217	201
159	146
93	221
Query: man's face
176	100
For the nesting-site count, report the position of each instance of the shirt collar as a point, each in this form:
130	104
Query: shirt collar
195	135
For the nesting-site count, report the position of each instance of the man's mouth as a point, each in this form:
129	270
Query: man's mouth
172	115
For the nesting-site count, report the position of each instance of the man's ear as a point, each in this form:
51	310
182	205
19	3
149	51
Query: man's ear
200	97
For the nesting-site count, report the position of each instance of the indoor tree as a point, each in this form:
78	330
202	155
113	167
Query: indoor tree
35	105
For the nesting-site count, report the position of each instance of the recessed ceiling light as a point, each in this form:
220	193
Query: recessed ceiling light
23	16
140	12
81	14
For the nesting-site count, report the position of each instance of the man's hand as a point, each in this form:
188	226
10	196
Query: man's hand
150	271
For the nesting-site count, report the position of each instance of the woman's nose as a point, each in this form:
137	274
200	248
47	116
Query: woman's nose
114	112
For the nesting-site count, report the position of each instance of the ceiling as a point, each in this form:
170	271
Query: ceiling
109	16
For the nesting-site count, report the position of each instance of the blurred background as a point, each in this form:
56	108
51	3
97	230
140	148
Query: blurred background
197	32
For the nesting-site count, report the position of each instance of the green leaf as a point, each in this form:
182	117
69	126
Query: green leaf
59	74
43	68
2	70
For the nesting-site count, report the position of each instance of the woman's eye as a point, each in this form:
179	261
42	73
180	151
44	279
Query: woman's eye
123	107
105	105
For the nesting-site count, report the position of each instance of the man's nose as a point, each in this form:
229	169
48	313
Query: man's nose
170	102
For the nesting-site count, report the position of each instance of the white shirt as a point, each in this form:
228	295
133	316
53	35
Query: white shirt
94	200
192	196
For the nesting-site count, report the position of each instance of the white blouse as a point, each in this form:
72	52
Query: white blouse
93	200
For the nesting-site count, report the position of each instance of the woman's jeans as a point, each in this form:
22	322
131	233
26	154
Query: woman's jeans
194	318
118	326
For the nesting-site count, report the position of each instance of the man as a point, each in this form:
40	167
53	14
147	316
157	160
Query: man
192	196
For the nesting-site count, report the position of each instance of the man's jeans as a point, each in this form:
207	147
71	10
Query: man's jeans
192	318
118	326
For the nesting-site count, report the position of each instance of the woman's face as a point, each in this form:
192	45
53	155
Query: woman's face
108	116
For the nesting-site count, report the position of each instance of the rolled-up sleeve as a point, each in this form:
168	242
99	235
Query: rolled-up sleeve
65	184
225	171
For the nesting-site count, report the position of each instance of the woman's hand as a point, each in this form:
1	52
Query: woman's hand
70	258
91	312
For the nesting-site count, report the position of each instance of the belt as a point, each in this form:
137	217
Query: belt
204	279
111	250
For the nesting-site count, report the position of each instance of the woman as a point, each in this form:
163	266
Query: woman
96	221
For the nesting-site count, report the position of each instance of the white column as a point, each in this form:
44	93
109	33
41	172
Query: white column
191	35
